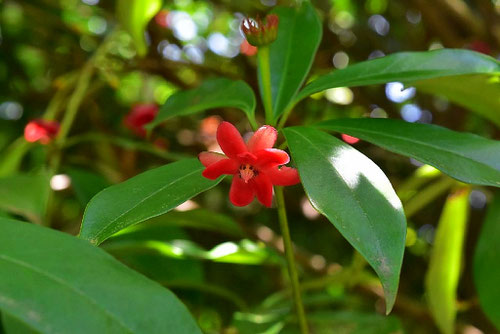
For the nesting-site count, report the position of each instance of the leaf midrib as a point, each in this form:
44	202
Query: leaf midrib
64	283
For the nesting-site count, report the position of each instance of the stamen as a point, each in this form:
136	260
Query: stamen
247	172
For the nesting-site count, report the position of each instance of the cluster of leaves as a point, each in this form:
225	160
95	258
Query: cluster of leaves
342	184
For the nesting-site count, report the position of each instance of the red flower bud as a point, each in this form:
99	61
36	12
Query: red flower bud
260	33
41	130
140	115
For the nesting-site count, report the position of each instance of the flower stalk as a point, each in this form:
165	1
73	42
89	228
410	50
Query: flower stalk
265	76
290	259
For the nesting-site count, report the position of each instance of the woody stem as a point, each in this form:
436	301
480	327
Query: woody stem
265	82
290	259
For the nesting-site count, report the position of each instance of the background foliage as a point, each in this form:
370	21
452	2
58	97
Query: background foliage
226	263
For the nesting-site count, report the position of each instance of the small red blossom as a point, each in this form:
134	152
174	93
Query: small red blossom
40	130
349	139
259	33
255	164
140	115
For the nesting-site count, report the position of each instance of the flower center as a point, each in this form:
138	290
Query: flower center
247	172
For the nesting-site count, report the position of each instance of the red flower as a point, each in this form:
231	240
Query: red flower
41	130
255	165
140	115
349	139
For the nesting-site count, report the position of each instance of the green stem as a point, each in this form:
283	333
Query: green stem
428	195
265	76
292	270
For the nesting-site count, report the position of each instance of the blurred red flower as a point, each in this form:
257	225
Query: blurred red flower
349	139
140	115
41	130
248	49
255	165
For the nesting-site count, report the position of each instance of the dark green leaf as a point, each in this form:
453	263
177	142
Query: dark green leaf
142	197
405	67
213	93
466	157
134	16
201	219
12	325
356	196
64	273
481	93
444	267
487	263
292	54
25	195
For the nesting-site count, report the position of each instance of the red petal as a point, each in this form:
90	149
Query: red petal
241	193
263	188
284	176
271	157
226	166
209	158
230	140
264	137
247	158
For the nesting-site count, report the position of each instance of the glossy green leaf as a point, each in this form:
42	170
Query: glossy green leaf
356	196
213	93
134	16
292	53
481	93
405	67
444	267
487	263
25	195
103	295
142	197
464	156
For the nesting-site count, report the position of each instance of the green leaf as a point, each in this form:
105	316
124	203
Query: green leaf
405	67
213	93
356	196
292	53
481	94
25	195
444	267
134	16
12	325
487	263
142	197
464	156
66	273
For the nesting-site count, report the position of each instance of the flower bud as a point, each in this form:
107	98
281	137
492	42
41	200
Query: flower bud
259	33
